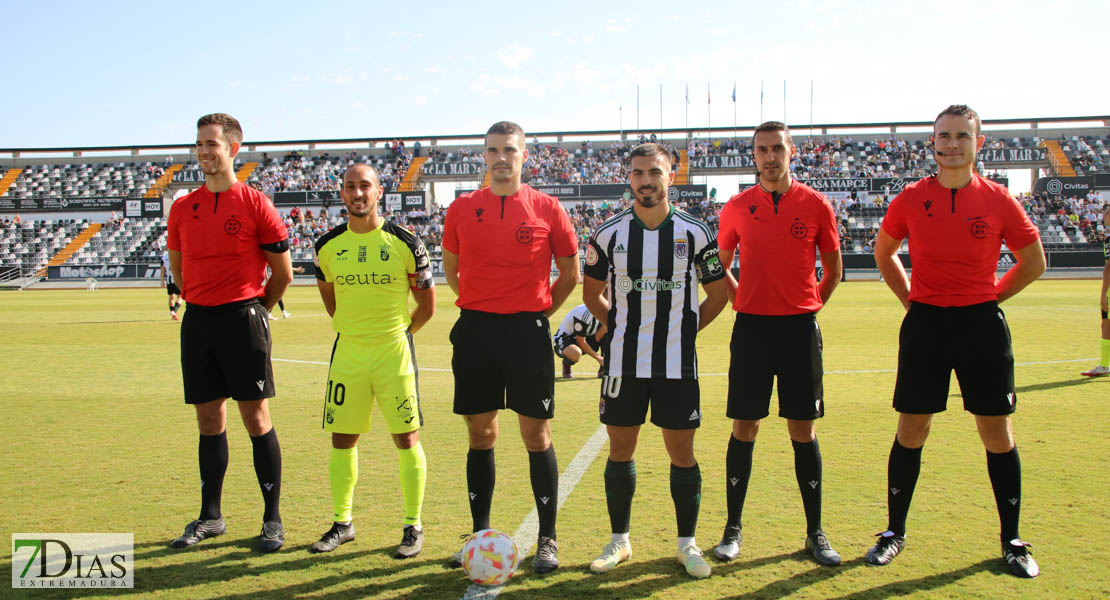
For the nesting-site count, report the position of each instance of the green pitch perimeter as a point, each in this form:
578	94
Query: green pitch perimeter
97	439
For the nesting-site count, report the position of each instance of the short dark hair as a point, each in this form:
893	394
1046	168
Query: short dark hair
961	110
506	128
772	126
229	126
373	169
648	150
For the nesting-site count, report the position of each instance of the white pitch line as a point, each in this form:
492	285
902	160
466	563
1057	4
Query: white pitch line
851	372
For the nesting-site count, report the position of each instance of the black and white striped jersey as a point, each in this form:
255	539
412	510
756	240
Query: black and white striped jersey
653	294
578	321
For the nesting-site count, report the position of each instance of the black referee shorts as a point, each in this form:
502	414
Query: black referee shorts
503	361
225	352
764	347
972	340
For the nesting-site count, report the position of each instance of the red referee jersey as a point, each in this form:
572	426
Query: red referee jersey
778	246
956	238
219	237
505	245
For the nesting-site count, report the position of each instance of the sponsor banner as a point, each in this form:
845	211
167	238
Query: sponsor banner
891	185
610	191
1065	186
452	169
133	208
413	200
104	271
855	184
743	161
59	204
1102	181
73	560
301	198
1014	155
392	201
687	193
152	207
189	176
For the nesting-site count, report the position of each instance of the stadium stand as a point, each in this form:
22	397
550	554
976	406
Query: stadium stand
296	172
33	244
123	241
85	180
1087	155
1066	223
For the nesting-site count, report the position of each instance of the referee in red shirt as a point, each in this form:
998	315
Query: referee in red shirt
498	243
221	237
779	226
956	222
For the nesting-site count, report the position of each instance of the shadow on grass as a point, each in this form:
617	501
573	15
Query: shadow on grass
236	558
1051	385
795	583
929	582
634	579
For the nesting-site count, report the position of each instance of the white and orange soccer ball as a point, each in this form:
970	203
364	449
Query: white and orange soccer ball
490	557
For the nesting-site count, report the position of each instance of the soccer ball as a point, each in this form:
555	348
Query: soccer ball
490	557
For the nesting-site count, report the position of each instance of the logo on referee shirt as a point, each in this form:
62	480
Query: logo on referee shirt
232	226
524	234
383	252
979	229
798	230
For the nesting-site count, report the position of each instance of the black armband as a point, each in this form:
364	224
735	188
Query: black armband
277	247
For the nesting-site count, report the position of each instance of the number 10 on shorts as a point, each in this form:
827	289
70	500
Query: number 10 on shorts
611	387
339	391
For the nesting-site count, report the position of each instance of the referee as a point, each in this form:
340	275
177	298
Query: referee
498	244
651	258
779	226
956	222
221	238
365	270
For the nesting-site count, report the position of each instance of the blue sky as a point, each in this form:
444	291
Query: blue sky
104	73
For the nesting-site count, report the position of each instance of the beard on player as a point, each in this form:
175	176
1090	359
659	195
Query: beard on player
648	196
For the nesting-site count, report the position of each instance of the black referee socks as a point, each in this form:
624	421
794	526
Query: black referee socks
1005	473
738	470
481	473
544	471
267	466
901	473
807	468
212	452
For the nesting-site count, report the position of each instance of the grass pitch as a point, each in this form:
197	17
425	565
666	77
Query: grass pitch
98	439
